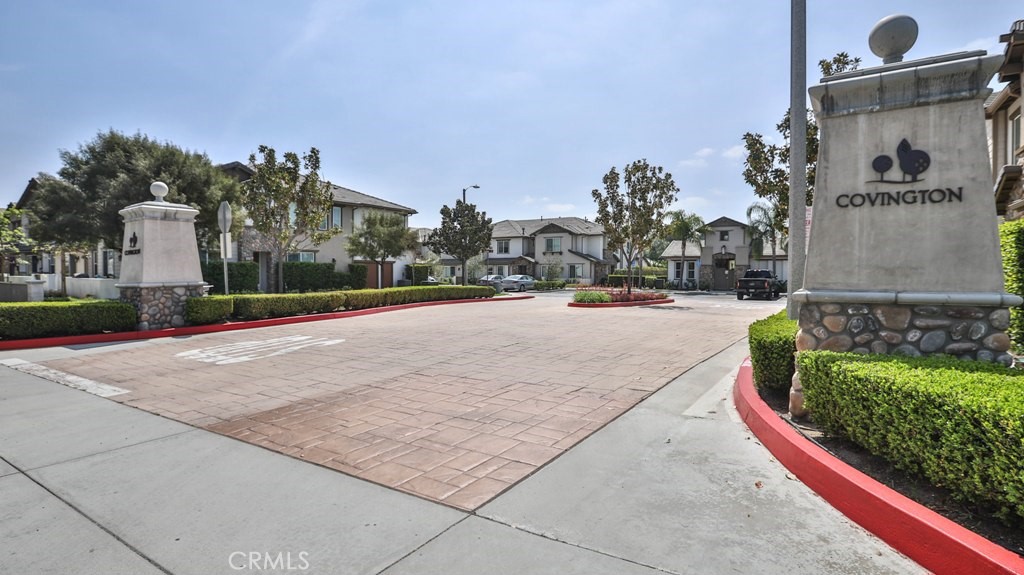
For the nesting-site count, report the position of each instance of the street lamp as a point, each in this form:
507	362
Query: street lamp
474	186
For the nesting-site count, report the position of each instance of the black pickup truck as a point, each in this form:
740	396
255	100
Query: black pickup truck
758	283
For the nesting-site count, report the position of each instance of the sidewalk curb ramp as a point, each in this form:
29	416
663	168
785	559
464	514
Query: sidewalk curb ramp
936	543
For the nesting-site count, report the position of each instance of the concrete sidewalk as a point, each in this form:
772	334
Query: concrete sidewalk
676	485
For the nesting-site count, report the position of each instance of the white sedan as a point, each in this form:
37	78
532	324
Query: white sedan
518	282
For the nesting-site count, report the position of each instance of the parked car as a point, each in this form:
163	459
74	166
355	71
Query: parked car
490	280
518	282
430	281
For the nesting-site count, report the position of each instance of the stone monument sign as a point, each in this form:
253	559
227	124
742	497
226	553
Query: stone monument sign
903	256
160	260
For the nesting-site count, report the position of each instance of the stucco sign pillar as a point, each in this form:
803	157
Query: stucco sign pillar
903	255
160	260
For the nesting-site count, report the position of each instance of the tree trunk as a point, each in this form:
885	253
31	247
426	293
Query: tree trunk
773	258
464	264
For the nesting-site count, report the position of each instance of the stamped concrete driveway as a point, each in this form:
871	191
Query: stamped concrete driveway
453	403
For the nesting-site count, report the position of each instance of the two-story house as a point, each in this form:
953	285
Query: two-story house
572	249
725	255
347	213
1003	110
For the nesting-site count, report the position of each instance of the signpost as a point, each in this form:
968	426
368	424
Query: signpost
224	223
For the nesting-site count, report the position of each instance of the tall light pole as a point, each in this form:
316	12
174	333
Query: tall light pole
465	263
798	151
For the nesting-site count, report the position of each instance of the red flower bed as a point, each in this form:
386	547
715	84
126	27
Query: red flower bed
620	295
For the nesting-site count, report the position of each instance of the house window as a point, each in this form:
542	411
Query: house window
553	245
499	270
1014	137
678	269
325	223
521	269
302	257
575	271
723	236
449	271
502	246
336	216
691	271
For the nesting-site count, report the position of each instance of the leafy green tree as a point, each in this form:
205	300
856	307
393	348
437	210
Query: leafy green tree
287	206
13	240
633	219
380	237
81	204
464	233
767	224
766	168
685	227
657	248
552	268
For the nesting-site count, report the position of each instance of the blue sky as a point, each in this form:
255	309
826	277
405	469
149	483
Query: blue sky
411	101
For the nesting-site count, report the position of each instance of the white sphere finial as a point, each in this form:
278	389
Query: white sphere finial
892	37
159	190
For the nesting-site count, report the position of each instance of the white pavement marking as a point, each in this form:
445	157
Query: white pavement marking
250	350
63	378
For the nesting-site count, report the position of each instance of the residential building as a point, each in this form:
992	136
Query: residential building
347	213
572	249
1003	110
680	265
725	254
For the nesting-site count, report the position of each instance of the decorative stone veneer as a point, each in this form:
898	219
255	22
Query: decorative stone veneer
966	332
161	307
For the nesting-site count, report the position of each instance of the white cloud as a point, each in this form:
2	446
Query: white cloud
693	163
528	200
705	152
560	208
734	152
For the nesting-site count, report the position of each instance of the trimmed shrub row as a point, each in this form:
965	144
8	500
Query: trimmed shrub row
548	285
47	319
263	306
209	309
1011	241
772	344
959	424
363	299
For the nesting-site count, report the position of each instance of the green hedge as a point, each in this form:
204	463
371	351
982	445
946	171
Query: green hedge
250	307
357	276
1011	240
242	276
772	344
959	424
308	276
47	319
363	299
210	309
548	285
587	296
419	273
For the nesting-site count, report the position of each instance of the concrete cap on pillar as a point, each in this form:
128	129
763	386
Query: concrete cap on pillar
159	190
892	37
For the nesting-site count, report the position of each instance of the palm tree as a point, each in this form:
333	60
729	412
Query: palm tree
767	223
685	227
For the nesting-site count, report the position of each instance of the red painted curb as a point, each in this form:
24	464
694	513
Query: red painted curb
622	303
934	542
16	344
